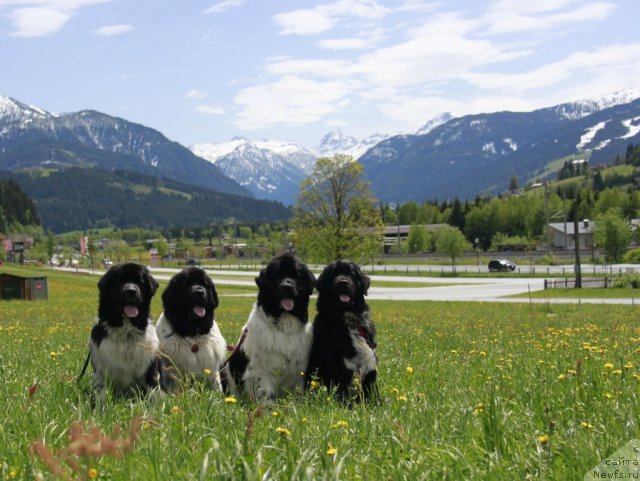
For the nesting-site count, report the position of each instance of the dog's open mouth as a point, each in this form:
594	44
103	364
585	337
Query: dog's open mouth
199	311
287	304
344	298
131	311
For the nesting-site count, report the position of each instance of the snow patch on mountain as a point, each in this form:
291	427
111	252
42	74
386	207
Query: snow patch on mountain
633	127
582	108
589	134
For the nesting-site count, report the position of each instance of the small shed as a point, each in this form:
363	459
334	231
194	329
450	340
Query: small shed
25	288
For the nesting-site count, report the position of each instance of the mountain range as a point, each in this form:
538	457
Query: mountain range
447	157
34	138
464	157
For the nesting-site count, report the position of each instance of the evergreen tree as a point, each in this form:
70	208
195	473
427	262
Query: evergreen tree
598	182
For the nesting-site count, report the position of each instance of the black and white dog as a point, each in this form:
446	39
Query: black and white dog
190	340
273	350
124	346
344	338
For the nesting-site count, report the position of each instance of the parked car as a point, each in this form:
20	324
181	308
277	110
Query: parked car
501	265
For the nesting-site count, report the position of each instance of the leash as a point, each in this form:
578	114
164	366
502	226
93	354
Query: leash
231	349
84	368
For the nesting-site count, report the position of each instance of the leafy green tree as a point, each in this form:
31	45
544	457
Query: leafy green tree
451	242
336	215
612	233
50	246
418	239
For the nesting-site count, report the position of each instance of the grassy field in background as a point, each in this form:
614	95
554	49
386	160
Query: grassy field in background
469	391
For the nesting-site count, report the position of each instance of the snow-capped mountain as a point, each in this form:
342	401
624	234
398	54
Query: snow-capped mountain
335	142
582	108
473	154
437	121
30	137
270	169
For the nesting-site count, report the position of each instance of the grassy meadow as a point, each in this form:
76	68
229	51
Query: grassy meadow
469	391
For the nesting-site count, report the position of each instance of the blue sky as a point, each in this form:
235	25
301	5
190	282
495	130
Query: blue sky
206	71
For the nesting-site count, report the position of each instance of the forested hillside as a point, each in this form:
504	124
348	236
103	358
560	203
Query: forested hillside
16	209
77	199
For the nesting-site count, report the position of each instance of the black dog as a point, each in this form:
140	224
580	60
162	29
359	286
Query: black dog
344	338
189	336
124	344
274	346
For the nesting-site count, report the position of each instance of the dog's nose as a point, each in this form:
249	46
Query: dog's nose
130	290
198	291
342	281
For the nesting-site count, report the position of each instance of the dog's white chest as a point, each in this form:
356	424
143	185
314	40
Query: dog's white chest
125	355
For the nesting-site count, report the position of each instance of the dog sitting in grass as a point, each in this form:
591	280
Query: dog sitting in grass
123	347
344	337
190	339
273	349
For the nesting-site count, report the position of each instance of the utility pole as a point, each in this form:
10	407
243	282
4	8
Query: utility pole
576	241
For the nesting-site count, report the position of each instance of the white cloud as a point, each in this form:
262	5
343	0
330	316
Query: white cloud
289	101
210	110
223	6
111	30
611	61
196	94
37	18
37	22
344	44
324	17
501	22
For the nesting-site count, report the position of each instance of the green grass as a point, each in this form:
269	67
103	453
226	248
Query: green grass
595	293
495	392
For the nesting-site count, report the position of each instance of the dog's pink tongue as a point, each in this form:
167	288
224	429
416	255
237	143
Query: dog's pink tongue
287	304
131	311
344	298
199	311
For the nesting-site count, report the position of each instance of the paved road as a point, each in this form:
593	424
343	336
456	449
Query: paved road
459	289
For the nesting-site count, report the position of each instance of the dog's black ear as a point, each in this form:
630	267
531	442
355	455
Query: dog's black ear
260	278
312	280
214	294
363	279
151	282
106	278
169	292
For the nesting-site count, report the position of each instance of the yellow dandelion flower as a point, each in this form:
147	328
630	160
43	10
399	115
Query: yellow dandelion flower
230	400
175	409
616	371
275	414
402	398
340	424
608	366
13	472
608	395
92	473
331	450
478	409
284	432
314	384
586	425
305	419
628	365
636	376
543	439
409	369
207	371
561	376
482	353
